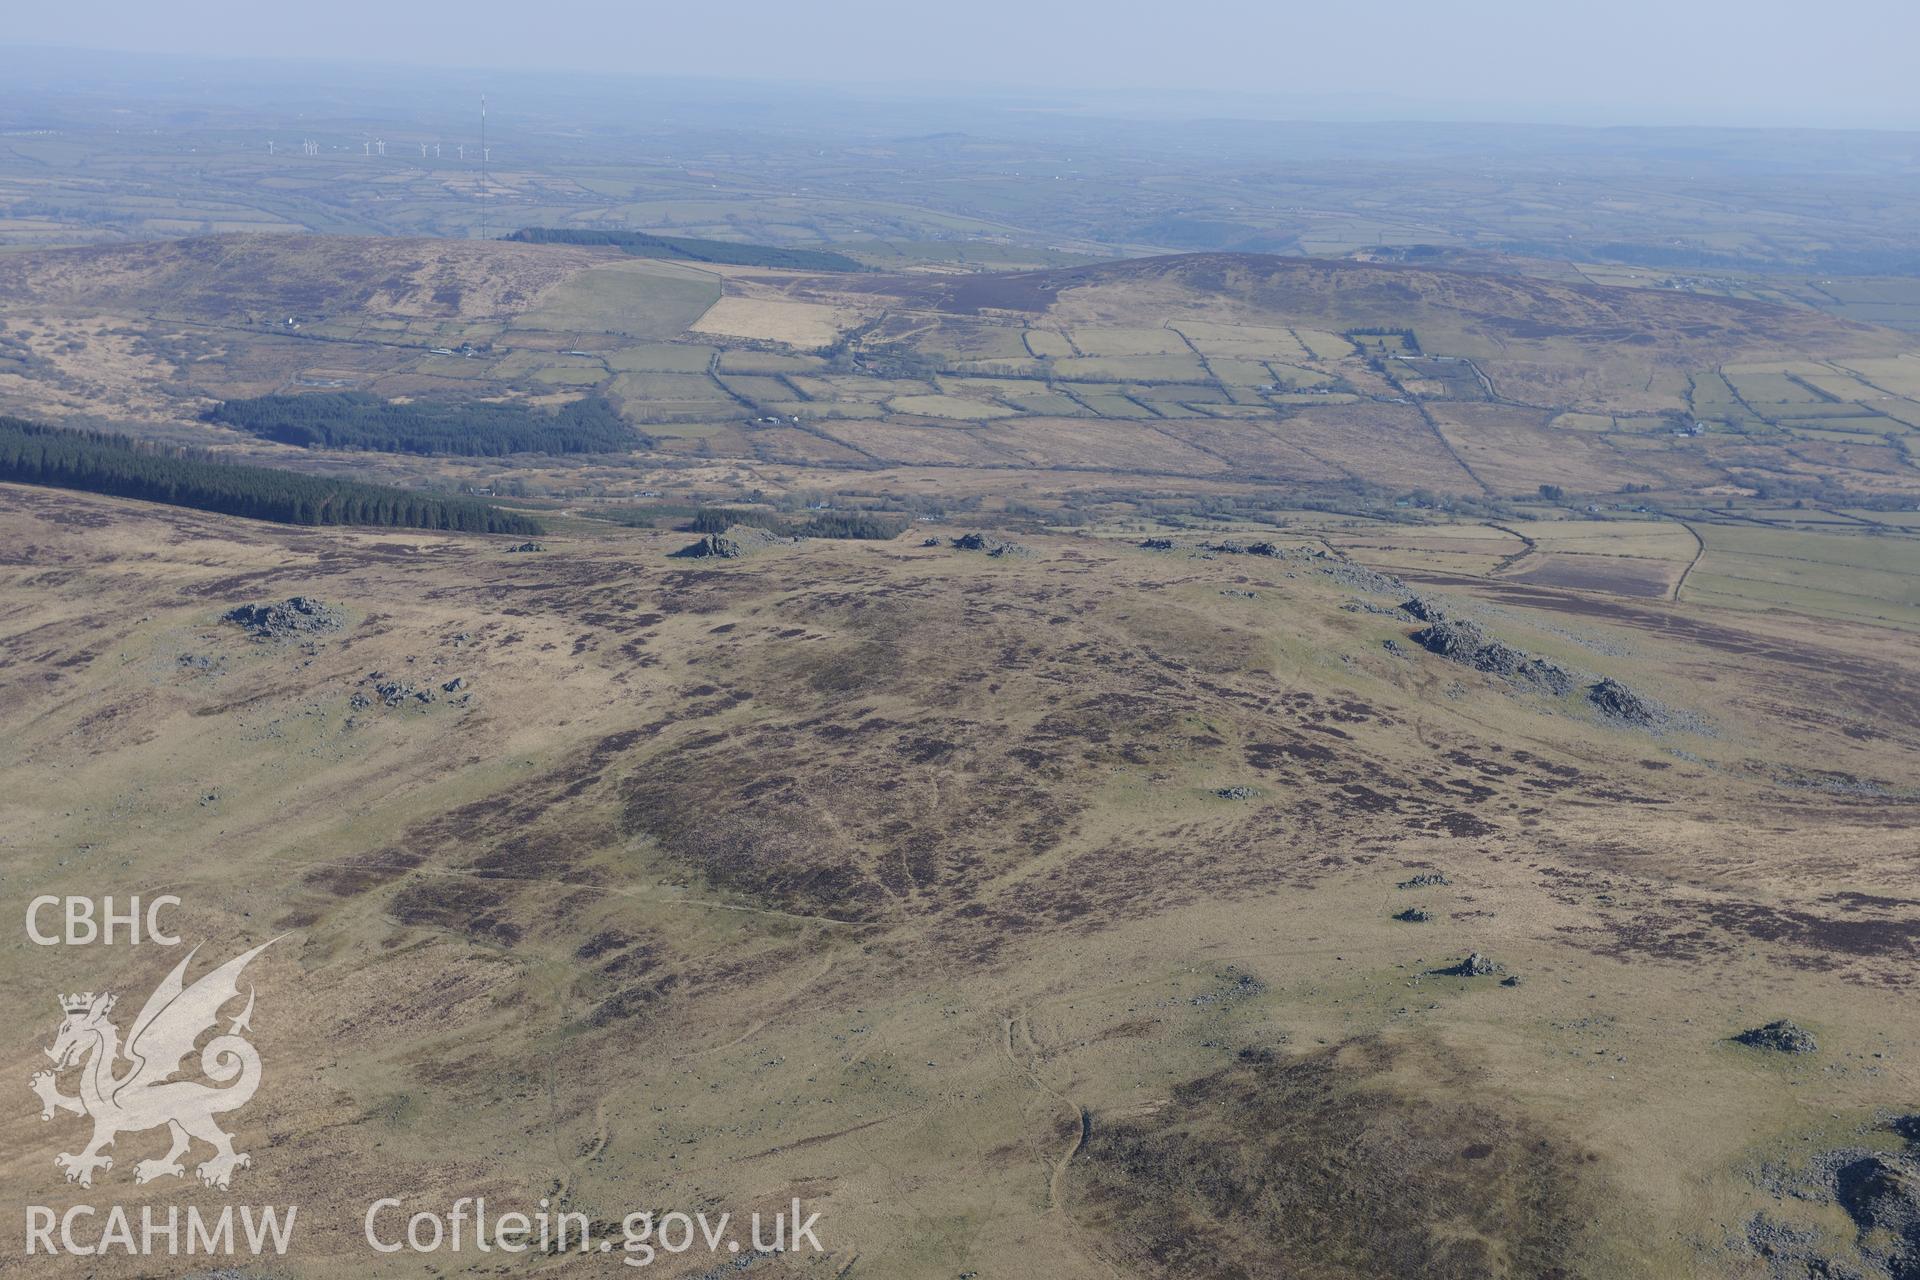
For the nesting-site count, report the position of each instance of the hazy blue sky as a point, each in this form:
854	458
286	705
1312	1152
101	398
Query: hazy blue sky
1762	62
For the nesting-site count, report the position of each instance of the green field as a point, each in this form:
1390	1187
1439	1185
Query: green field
661	357
1847	576
636	300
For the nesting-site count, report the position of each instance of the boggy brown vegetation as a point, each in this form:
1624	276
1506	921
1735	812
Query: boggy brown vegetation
1318	1166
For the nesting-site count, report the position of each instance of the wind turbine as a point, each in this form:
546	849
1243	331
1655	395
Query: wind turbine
483	166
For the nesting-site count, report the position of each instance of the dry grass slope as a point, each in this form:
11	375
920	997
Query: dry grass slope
847	867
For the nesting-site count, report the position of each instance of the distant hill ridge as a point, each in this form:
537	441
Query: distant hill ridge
721	252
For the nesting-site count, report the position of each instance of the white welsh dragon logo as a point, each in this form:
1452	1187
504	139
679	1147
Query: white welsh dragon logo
146	1095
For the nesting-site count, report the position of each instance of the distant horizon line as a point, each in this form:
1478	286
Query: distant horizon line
1371	108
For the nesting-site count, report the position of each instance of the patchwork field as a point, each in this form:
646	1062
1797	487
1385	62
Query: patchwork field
1286	372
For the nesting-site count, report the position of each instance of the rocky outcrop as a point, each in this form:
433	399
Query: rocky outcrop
1453	638
394	691
1474	966
713	546
992	546
1617	702
1464	642
1878	1190
295	618
1781	1037
737	541
1356	577
1881	1193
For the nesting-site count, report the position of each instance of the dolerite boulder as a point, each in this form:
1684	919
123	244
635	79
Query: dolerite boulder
297	617
526	546
394	691
1425	609
971	542
1781	1037
1617	702
1464	642
1157	544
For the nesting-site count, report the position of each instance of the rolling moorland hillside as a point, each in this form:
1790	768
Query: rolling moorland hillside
1204	908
